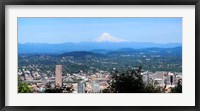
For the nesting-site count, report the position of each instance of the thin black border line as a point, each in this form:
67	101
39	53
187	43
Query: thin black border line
100	17
197	45
101	2
105	108
2	59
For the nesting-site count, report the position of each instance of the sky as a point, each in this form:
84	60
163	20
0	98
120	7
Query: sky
62	30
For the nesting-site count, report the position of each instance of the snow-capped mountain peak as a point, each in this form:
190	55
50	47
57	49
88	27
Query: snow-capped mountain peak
106	37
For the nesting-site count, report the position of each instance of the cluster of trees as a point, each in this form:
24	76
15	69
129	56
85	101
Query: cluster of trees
178	88
131	82
58	89
23	87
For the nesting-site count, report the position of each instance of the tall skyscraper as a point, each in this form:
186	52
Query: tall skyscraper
58	75
95	86
81	87
171	78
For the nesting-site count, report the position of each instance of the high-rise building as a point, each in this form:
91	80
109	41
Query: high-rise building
58	75
95	86
81	87
159	77
171	78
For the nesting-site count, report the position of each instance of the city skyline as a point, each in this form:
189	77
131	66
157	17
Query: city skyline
62	30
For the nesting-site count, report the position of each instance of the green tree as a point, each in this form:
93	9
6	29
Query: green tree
52	90
106	90
152	88
58	89
24	88
55	90
127	81
178	88
130	81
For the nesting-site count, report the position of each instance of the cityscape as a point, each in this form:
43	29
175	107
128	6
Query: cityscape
102	63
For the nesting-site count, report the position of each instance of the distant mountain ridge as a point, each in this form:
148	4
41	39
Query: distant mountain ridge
176	51
32	48
81	54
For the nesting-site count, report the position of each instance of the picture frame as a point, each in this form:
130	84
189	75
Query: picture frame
100	2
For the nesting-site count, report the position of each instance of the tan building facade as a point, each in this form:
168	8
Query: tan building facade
58	75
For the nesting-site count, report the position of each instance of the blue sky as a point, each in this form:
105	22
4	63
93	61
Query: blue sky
61	30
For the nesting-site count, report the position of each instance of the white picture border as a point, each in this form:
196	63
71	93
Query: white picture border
187	98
